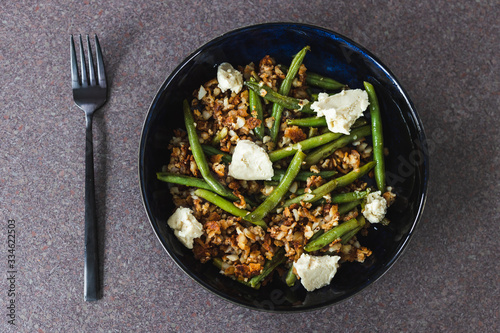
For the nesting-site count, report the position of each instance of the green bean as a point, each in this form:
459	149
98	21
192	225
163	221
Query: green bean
219	136
199	155
324	130
269	94
271	182
348	206
190	181
313	131
320	202
221	202
321	122
316	235
291	278
359	123
303	175
286	85
209	150
320	81
328	149
227	206
311	94
348	197
326	188
275	197
261	197
311	197
308	122
284	90
183	180
300	191
331	235
306	144
347	236
343	197
269	266
355	174
218	263
256	110
377	136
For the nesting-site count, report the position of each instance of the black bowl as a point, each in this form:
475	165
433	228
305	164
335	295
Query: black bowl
331	55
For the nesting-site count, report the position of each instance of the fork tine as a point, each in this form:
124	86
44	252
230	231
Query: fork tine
91	63
85	82
75	81
101	74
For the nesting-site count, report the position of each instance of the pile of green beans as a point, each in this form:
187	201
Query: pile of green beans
319	145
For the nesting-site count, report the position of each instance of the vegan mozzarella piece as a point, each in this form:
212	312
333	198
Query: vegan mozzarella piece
316	271
375	207
250	162
229	78
186	227
341	110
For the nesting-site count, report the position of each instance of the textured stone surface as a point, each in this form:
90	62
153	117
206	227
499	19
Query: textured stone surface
444	53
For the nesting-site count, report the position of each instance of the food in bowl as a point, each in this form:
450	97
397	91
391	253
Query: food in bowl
273	170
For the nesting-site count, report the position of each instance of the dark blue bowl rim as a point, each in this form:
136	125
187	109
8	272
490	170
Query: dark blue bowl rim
375	60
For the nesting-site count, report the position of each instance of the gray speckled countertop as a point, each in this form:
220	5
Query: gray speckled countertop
445	53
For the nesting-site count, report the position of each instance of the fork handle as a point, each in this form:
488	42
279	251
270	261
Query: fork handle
91	285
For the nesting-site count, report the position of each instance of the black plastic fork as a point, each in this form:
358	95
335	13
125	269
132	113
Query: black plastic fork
89	94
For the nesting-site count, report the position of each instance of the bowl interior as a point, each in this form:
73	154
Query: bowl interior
331	55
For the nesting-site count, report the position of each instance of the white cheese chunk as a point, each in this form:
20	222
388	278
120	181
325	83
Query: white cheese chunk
229	78
186	227
375	207
341	110
250	162
316	271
